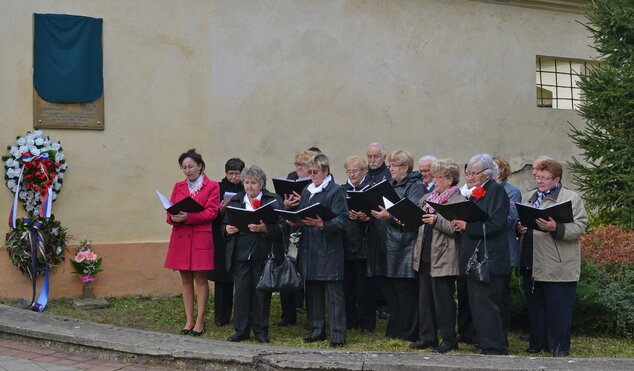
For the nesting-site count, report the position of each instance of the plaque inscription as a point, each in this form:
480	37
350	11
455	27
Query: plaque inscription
49	115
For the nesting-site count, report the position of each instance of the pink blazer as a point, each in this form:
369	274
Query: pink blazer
191	246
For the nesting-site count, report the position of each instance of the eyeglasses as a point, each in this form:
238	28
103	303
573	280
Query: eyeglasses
190	167
353	172
471	173
311	172
300	164
542	179
396	165
233	173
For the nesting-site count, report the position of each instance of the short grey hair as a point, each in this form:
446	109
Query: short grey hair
485	163
321	161
254	172
427	158
377	144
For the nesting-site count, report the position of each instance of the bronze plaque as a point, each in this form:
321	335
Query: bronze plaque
48	115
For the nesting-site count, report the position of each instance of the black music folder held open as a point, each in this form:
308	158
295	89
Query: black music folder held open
308	212
465	210
241	218
288	186
187	204
408	213
374	195
561	213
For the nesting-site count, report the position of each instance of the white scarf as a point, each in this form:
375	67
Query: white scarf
195	186
313	189
466	191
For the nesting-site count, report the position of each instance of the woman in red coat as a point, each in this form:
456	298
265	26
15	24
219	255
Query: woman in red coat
191	248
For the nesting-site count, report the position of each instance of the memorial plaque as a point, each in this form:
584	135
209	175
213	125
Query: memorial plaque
49	115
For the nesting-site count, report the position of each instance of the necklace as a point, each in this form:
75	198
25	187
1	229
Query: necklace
195	186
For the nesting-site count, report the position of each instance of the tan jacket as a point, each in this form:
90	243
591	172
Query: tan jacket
444	244
557	255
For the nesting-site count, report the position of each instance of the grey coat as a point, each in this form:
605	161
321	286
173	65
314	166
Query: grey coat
320	252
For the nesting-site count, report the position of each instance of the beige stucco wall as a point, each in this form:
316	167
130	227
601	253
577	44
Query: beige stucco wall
264	79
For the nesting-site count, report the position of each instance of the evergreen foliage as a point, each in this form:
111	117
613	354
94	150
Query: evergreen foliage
606	176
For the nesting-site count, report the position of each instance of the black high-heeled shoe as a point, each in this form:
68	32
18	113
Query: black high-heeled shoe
186	331
196	333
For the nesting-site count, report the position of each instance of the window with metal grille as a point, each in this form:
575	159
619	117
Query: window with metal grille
557	80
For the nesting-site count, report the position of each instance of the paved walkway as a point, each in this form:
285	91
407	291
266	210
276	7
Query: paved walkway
24	357
104	344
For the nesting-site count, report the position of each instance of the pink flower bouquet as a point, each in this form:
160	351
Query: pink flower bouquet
86	263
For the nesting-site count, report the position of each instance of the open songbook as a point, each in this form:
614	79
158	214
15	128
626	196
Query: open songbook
187	204
288	186
407	212
561	213
371	198
241	218
308	212
465	210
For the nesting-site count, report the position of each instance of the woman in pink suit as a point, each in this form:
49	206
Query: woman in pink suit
191	248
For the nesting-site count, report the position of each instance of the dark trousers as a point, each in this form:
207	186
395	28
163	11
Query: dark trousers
428	327
251	306
505	303
223	301
359	295
402	296
554	303
320	294
444	290
484	301
465	322
537	336
291	302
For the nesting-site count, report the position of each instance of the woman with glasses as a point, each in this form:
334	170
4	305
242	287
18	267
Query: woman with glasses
246	254
223	283
191	246
394	258
436	261
357	286
485	297
320	254
556	262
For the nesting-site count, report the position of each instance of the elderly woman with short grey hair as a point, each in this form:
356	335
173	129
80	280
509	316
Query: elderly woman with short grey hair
246	253
485	297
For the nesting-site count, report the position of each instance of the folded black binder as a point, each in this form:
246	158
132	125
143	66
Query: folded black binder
308	212
408	213
187	204
357	202
288	186
465	210
241	218
561	213
374	195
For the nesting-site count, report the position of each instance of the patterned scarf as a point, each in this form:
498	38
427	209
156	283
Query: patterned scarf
196	185
442	198
541	195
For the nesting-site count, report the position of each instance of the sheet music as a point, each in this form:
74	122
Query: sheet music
166	203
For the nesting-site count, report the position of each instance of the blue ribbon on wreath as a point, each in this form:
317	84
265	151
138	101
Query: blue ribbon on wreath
37	244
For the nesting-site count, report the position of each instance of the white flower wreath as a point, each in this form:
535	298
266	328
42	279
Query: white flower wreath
30	192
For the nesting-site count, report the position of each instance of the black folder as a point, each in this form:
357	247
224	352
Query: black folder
288	186
308	212
408	213
561	213
357	202
374	195
241	218
187	204
465	210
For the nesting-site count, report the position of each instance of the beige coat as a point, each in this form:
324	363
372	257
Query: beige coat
444	244
557	255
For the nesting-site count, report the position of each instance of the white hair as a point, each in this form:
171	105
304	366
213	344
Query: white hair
486	164
377	144
427	158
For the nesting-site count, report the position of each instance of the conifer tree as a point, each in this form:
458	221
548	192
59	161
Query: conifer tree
605	177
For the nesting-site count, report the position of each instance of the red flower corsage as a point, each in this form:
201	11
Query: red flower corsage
478	193
444	202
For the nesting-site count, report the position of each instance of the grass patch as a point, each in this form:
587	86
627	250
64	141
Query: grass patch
165	314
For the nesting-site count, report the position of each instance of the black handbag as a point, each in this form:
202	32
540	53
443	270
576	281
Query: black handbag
479	270
283	277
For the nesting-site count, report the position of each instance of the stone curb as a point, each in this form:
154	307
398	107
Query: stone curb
177	351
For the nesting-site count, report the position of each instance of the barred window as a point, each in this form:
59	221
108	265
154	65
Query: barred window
557	80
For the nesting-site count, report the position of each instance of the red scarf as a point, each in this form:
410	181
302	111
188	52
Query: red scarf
442	198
